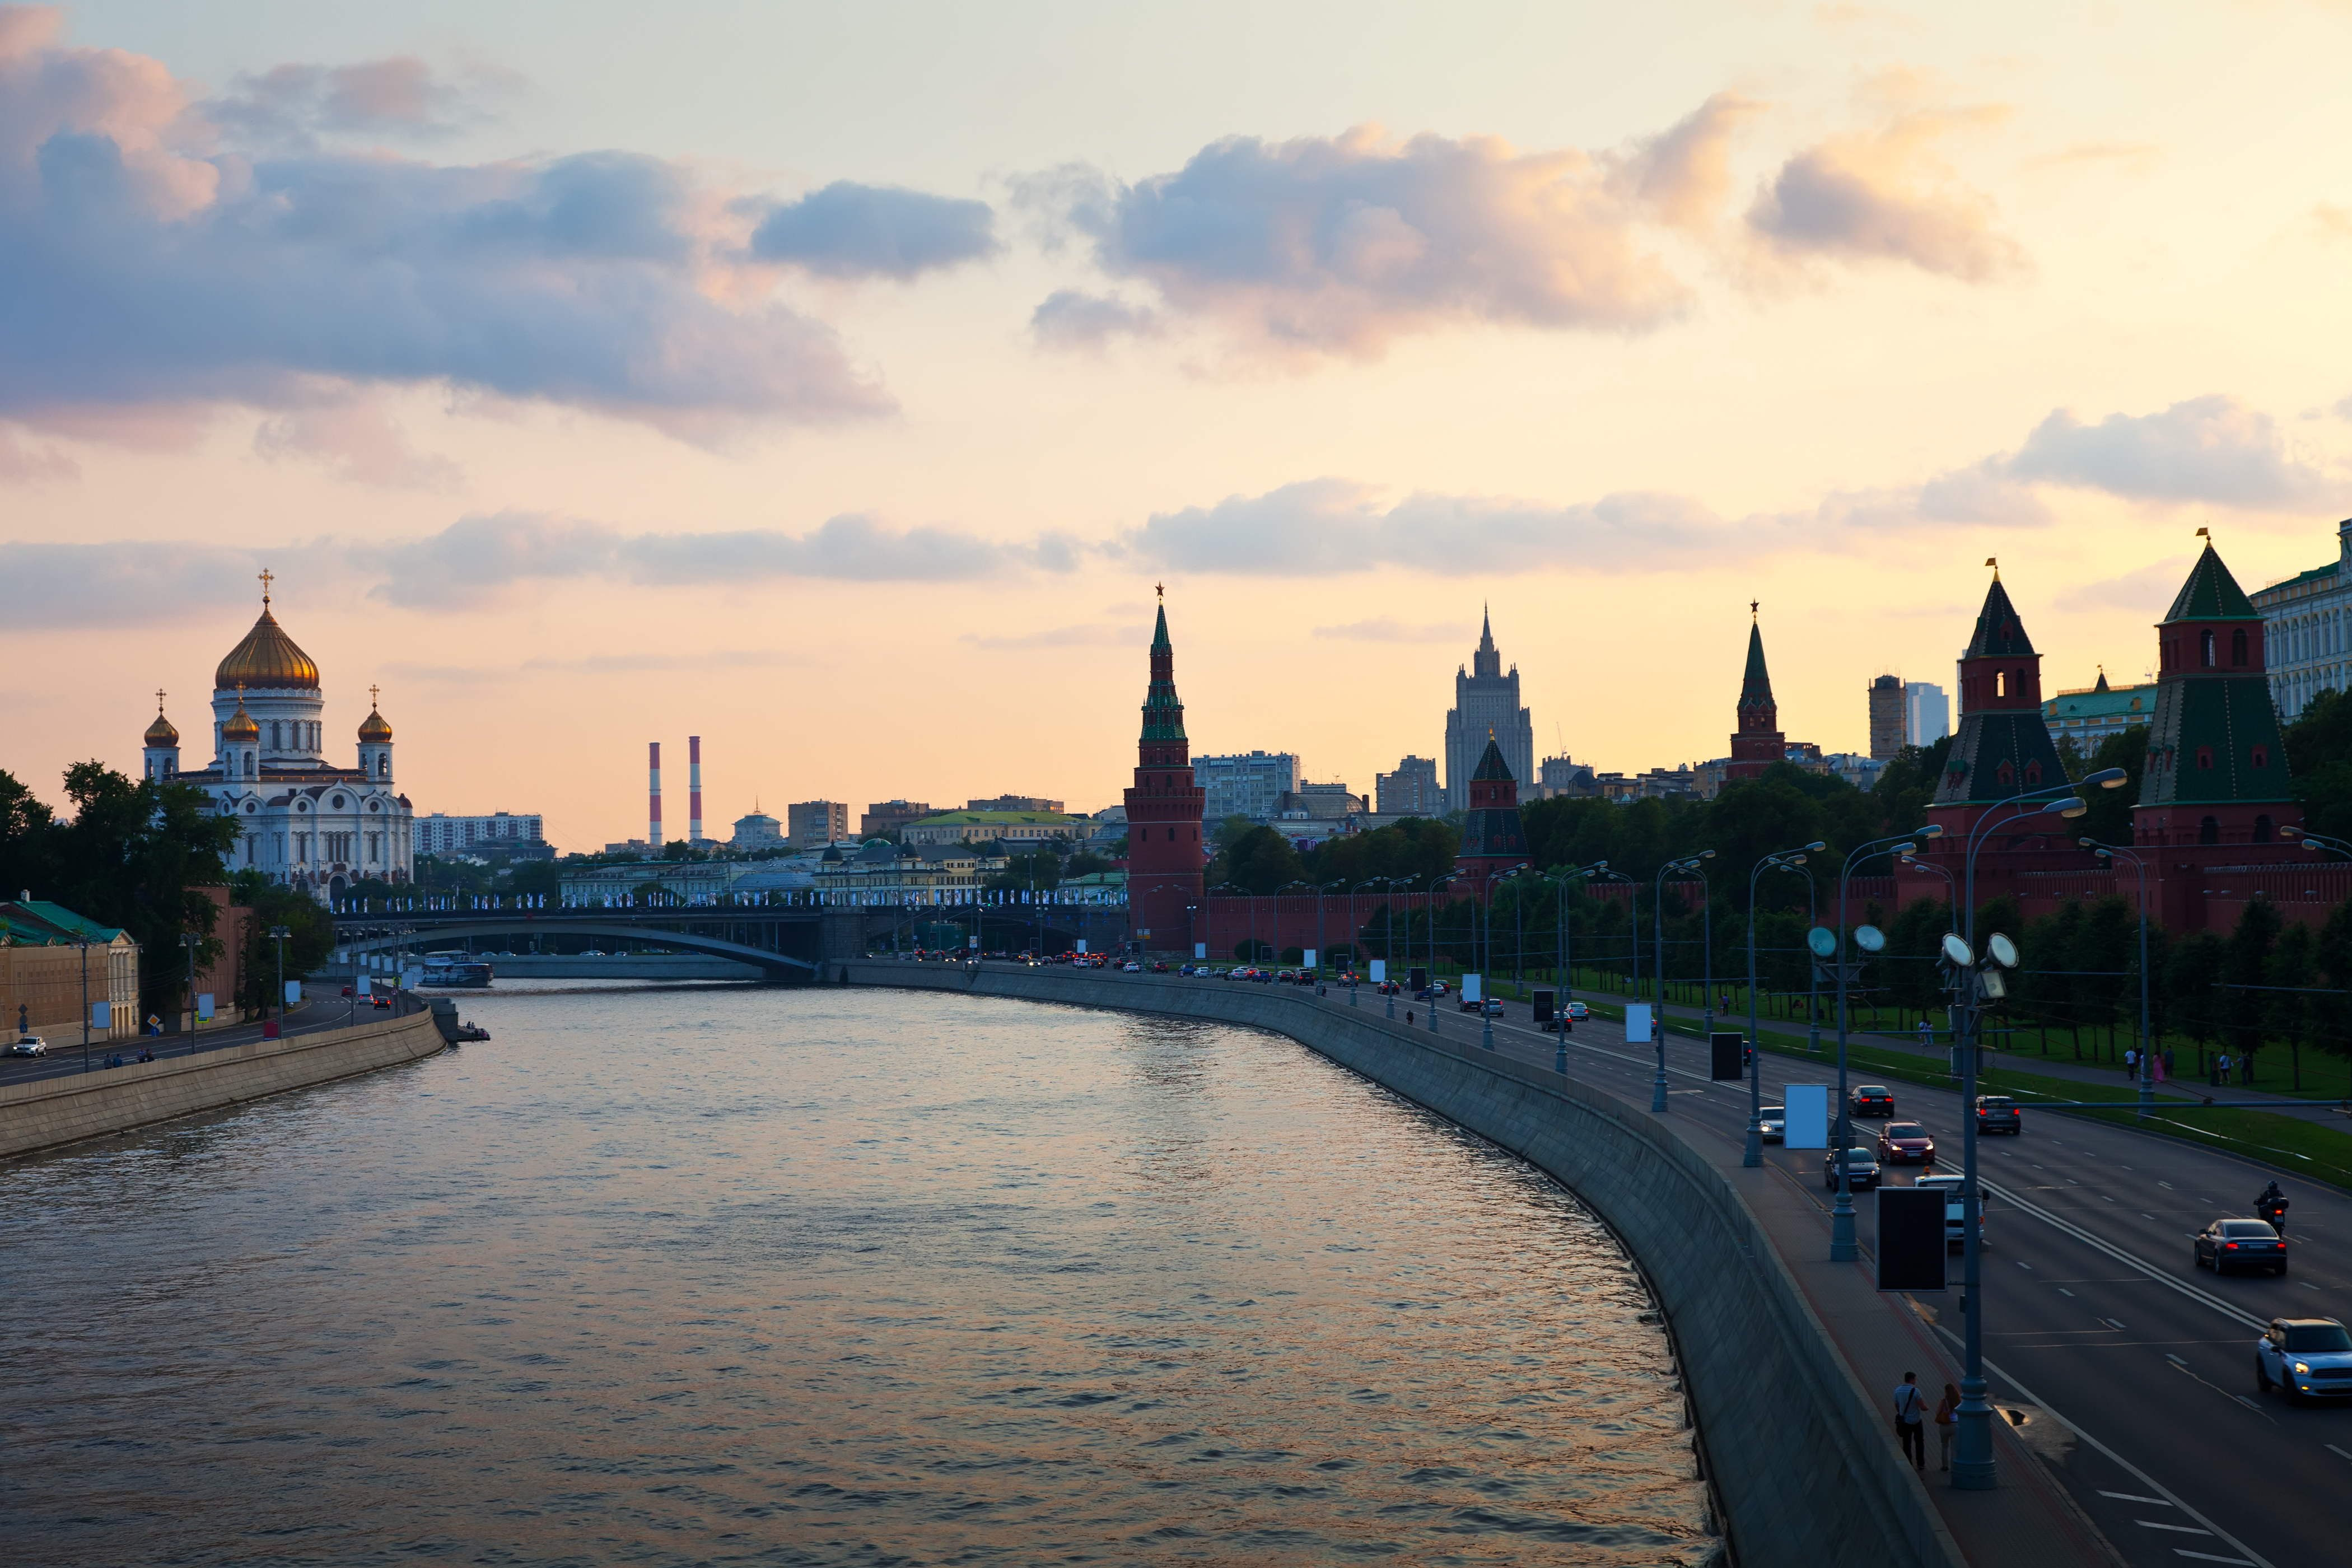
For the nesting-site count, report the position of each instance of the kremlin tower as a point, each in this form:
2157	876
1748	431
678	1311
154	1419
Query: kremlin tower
1758	743
1163	815
1494	841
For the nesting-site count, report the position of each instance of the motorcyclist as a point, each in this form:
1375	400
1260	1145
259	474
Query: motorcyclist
2272	1206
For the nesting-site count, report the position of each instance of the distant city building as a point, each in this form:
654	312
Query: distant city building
636	846
887	868
1561	776
1009	827
500	832
1857	770
1249	785
890	816
1411	791
1014	803
1926	713
756	831
47	975
2308	630
1485	704
2088	715
1888	729
1321	802
818	821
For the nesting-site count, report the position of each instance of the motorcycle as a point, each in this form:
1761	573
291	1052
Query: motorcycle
2272	1212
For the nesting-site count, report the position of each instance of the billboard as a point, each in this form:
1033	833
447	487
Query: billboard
1637	1023
1807	1108
1380	972
1911	1238
1470	992
1723	1048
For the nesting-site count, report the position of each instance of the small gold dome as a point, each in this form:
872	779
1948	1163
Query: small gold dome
374	731
267	660
160	732
240	725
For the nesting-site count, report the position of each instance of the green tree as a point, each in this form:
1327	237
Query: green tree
1907	786
2319	762
311	938
2246	959
2292	968
2109	820
2332	952
2192	989
1260	861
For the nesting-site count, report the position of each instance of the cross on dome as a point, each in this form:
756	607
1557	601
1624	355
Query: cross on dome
266	581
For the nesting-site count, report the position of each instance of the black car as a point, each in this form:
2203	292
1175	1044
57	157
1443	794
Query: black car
1999	1113
1861	1169
1873	1099
2228	1244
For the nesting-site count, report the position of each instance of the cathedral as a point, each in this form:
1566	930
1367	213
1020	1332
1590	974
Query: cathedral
308	824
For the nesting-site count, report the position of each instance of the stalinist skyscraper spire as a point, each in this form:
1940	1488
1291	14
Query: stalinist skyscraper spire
1485	703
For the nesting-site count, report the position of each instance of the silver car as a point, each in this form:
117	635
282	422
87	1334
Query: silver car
2310	1357
30	1046
1775	1119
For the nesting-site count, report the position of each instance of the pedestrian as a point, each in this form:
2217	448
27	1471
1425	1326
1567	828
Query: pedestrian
2131	1064
1926	1035
1910	1421
2221	1065
1408	1014
2246	1067
1948	1423
2167	1059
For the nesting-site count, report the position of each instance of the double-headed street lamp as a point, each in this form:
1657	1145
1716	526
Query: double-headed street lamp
1567	975
1784	858
1658	1013
2108	852
1843	1248
1972	1464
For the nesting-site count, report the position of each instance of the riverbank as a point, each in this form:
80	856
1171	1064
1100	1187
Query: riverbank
46	1112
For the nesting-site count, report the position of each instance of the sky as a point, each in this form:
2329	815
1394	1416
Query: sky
837	383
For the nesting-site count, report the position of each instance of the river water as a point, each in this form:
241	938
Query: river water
724	1275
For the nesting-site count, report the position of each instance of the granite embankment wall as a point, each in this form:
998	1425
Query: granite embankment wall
46	1112
1805	1469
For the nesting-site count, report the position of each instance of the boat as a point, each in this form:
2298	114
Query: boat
454	969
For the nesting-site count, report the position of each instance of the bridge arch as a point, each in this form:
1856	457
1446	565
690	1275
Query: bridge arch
491	924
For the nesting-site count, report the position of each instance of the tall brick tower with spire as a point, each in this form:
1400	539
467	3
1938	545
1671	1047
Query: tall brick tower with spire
2003	748
1493	840
1164	814
1758	743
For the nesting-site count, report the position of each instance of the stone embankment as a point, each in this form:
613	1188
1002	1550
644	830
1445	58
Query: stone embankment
46	1112
1806	1470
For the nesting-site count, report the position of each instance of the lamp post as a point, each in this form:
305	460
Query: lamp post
1658	936
2108	852
1843	1248
1432	946
1972	1463
278	935
1754	1153
189	939
81	940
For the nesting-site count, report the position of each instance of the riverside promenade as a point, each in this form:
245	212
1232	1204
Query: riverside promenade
1789	1360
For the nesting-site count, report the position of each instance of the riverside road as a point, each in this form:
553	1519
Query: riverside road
2127	1368
65	1058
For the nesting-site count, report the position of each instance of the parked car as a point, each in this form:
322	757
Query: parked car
1861	1169
1999	1113
1955	1221
30	1046
1775	1122
2310	1357
1905	1142
1873	1099
2228	1244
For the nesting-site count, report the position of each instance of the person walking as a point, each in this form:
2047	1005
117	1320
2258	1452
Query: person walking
1947	1426
2131	1064
2221	1069
1910	1421
1926	1035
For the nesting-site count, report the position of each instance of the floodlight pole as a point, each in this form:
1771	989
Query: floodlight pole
1754	1153
1842	1248
2146	1088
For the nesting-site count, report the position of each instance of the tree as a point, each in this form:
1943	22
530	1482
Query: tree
2109	820
1259	861
2192	988
2291	970
2319	762
2332	951
2245	959
311	938
1907	786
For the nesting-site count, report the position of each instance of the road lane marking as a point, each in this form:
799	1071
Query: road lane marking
2120	1256
2334	1449
2250	1405
2112	1323
2174	1361
2022	1264
2145	1215
2306	1285
2209	1557
2251	1560
2176	1529
2166	1185
2063	1291
2135	1497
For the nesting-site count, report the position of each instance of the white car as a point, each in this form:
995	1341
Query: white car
1130	968
1954	1226
30	1046
1775	1122
2310	1357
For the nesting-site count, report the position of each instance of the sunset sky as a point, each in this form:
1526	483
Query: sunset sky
836	382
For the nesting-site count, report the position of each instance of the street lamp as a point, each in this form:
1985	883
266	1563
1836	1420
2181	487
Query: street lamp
278	935
1658	936
189	939
1843	1248
2108	852
1754	1155
81	941
1486	979
1432	945
1972	1464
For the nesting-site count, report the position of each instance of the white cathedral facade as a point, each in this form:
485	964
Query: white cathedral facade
307	822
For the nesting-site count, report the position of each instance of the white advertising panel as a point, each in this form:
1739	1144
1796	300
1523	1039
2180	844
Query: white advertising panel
411	977
1082	945
1637	1023
293	990
1470	992
1807	1107
101	1014
1307	958
204	1006
1380	972
1200	950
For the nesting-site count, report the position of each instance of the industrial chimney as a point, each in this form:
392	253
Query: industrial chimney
694	789
653	766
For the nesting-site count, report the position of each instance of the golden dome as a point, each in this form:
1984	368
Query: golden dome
160	734
240	725
267	660
374	731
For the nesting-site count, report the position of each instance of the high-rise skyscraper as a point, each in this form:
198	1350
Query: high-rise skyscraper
1926	713
1886	728
1485	703
1164	814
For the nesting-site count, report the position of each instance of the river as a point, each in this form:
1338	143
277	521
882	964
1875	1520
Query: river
717	1274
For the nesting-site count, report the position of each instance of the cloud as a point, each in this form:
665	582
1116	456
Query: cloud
849	230
121	583
145	265
2212	448
605	664
476	558
1073	318
2136	157
2149	588
1884	196
357	440
1335	245
1388	628
24	464
1057	637
290	107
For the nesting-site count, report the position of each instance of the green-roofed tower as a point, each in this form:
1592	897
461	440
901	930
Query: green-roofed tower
1163	814
2003	748
1493	840
1757	742
2215	771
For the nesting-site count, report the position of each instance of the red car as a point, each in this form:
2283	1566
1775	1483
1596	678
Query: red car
1905	1142
1873	1099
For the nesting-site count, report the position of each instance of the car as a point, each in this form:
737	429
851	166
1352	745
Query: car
30	1046
2309	1358
1873	1099
1130	967
2228	1244
1489	1007
1346	977
1388	988
1861	1169
2000	1113
1161	968
1955	1226
1905	1142
599	952
1775	1121
1286	977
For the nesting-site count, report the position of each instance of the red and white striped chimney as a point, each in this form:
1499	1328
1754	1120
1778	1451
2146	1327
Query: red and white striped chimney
694	789
653	767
